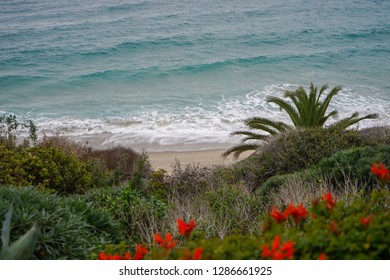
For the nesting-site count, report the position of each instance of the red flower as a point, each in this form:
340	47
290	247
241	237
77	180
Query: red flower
127	256
166	243
278	252
185	229
104	256
322	256
140	252
380	171
278	216
139	255
329	201
197	255
366	221
297	212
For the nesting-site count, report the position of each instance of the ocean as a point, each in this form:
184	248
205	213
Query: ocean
166	75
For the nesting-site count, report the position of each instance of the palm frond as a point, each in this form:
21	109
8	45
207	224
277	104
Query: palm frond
303	105
286	107
298	106
324	106
322	90
272	127
239	149
321	122
353	119
250	135
313	107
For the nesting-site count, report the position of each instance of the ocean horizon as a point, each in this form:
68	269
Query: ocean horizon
182	75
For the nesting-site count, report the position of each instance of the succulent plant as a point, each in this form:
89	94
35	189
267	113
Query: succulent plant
21	249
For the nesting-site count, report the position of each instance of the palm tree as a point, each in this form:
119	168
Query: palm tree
305	111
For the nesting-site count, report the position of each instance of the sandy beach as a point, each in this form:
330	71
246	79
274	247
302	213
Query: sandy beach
165	160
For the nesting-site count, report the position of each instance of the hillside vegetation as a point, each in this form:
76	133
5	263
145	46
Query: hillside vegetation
310	193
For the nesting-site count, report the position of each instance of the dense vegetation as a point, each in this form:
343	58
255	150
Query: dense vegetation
309	193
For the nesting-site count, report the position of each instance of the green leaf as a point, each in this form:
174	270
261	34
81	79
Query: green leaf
23	248
5	230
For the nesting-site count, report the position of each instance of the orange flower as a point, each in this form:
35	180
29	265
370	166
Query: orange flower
139	255
104	256
140	252
297	212
366	221
197	255
381	172
329	201
277	252
185	229
127	256
278	216
322	256
167	243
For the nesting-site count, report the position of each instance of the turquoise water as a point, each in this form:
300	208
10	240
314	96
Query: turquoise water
179	75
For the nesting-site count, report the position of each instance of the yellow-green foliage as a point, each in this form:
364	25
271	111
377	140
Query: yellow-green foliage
47	168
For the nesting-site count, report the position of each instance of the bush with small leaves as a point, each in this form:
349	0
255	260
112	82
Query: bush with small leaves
48	168
297	150
349	164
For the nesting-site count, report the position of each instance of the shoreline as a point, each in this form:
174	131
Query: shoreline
203	158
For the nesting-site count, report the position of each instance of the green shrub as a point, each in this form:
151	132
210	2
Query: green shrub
349	165
189	180
118	163
157	184
69	227
355	163
297	150
48	168
234	208
339	233
139	214
211	195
